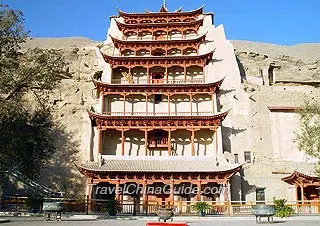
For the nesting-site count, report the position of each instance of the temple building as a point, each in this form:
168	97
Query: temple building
158	122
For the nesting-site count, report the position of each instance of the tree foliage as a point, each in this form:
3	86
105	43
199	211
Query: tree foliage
309	135
26	141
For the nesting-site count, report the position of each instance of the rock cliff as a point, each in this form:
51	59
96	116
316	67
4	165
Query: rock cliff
260	64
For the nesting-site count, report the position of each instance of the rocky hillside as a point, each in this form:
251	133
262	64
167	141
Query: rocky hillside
299	63
75	95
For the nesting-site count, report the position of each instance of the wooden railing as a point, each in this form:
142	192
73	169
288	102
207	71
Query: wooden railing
129	207
205	113
186	37
158	81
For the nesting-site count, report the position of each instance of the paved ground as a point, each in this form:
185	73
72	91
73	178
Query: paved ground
299	221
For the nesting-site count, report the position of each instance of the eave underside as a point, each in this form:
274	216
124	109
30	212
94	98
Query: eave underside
150	122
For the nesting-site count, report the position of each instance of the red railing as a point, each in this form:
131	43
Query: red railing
158	142
158	81
205	113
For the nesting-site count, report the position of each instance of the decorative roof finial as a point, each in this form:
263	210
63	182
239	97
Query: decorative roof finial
164	3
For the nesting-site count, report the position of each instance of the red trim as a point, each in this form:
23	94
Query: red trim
159	88
165	25
128	42
152	60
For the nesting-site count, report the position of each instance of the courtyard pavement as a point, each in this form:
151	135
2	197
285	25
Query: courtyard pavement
192	221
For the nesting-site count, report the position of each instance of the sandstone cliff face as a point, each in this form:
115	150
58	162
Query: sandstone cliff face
300	63
75	95
70	102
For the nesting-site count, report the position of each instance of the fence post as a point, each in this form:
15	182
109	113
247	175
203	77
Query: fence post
180	207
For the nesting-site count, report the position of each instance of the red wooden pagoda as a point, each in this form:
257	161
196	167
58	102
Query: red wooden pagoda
158	122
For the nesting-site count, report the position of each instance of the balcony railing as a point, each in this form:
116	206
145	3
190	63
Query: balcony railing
158	81
164	37
205	113
158	142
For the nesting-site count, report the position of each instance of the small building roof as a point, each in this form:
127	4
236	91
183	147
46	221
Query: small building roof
302	176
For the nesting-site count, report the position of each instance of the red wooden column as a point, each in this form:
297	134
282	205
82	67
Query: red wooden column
302	193
122	141
167	77
296	193
192	142
198	197
214	105
146	141
203	70
117	190
172	191
147	96
185	72
124	104
190	94
102	102
100	144
148	72
145	196
169	110
169	142
217	144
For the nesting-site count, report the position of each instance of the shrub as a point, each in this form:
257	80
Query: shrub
201	207
282	210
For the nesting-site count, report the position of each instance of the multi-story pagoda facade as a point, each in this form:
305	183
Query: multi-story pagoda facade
158	122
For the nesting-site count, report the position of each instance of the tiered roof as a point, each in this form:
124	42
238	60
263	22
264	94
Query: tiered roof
162	12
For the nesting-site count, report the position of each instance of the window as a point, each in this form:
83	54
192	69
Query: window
157	98
236	158
260	195
247	156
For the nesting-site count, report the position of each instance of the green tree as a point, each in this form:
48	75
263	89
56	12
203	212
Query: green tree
309	135
26	140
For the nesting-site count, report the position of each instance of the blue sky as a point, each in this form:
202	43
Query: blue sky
286	22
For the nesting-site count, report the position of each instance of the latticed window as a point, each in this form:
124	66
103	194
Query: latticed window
247	156
261	195
236	158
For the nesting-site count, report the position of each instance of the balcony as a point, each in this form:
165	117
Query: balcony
157	81
158	142
205	113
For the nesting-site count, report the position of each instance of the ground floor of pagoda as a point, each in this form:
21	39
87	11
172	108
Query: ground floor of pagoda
134	198
141	185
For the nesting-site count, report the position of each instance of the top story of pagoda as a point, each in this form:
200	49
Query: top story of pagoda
163	16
